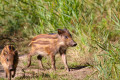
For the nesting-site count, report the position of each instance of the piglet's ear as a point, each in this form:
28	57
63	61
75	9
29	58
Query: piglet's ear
11	47
65	29
15	52
5	53
60	31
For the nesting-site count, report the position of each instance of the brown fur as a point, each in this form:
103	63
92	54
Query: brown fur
9	60
50	44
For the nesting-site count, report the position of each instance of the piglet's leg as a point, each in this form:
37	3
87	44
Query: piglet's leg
29	60
9	75
53	61
39	57
6	74
65	61
29	63
13	73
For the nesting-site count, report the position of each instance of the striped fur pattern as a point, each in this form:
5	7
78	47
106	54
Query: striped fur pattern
51	44
9	60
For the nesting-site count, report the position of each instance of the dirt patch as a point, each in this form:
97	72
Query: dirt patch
80	74
77	73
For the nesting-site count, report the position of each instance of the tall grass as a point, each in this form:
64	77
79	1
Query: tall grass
109	65
95	25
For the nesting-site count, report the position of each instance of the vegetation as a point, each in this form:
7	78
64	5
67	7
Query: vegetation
94	24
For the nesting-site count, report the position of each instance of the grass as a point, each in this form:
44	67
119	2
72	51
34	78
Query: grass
94	24
110	64
2	79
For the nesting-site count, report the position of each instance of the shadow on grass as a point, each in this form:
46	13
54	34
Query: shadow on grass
80	67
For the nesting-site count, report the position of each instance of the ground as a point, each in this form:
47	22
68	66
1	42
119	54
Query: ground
76	73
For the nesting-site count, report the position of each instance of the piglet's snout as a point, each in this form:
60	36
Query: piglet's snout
10	68
73	43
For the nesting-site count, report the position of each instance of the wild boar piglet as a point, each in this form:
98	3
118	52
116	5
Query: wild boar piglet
9	60
51	44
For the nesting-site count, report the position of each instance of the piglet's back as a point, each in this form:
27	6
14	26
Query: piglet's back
44	39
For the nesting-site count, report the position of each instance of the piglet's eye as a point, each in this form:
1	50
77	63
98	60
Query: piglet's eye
66	37
7	59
